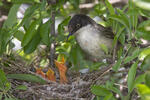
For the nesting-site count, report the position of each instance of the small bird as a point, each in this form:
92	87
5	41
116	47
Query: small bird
90	35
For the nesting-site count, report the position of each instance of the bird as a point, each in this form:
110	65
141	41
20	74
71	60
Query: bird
90	36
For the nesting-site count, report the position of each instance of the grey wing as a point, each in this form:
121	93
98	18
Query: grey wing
106	31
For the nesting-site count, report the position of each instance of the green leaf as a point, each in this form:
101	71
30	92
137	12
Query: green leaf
30	32
147	79
144	53
1	95
131	76
76	57
27	77
144	91
100	91
117	65
143	33
62	24
4	84
23	1
12	16
142	4
110	7
133	56
145	64
19	35
104	48
139	79
28	15
4	39
44	32
32	45
21	87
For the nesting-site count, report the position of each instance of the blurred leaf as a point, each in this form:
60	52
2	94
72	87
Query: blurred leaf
75	3
76	57
4	39
30	32
62	24
21	87
145	64
19	35
32	45
104	48
4	84
117	64
122	20
142	4
144	91
45	32
117	36
27	77
23	1
28	15
147	79
144	53
133	56
142	33
100	91
1	95
110	7
131	76
139	79
12	16
133	13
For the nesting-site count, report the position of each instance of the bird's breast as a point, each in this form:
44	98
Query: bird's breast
90	40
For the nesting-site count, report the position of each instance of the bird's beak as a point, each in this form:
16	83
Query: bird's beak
69	36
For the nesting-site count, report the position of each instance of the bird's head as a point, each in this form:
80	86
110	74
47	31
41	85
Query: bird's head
78	21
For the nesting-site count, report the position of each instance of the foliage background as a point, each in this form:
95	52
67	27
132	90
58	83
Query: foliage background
40	39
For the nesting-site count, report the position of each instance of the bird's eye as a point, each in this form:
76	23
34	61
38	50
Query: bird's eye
78	25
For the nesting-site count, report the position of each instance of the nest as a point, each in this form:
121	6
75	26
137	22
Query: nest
78	87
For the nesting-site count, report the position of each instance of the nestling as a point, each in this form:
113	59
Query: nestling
90	35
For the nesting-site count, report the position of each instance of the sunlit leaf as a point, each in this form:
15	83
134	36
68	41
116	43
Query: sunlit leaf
144	53
110	7
144	91
142	4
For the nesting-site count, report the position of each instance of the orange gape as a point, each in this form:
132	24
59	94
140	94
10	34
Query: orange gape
62	70
50	75
40	72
